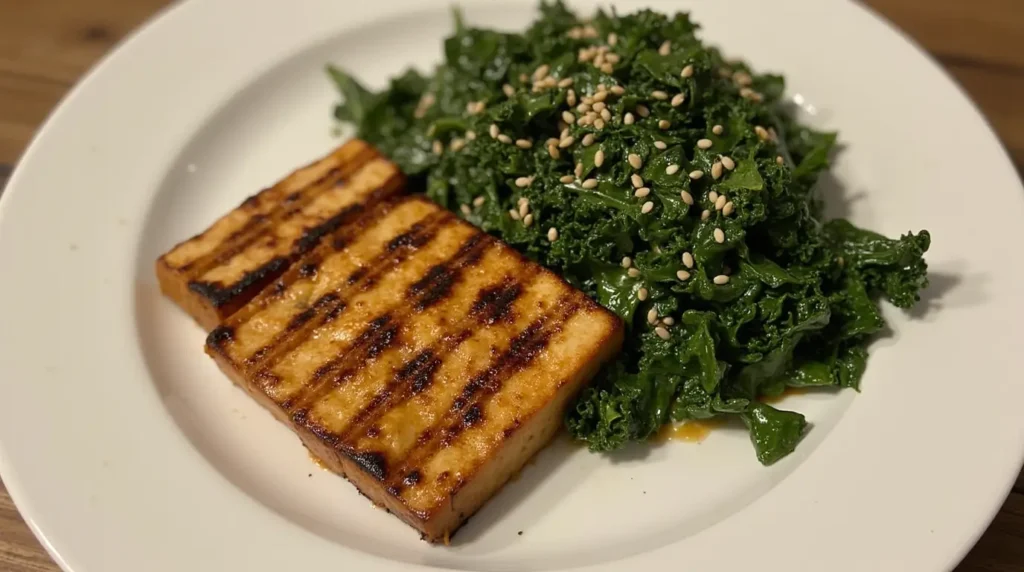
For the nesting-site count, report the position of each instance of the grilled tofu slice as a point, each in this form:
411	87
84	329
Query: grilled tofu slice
421	358
213	274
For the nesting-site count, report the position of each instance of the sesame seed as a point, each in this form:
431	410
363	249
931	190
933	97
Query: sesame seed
524	182
465	209
565	82
704	144
696	174
457	144
528	219
635	161
589	184
566	179
687	197
642	192
628	118
514	214
728	208
742	78
504	138
599	97
599	106
599	158
617	89
599	124
524	143
606	115
720	203
565	132
659	95
643	111
523	78
541	72
583	108
626	262
665	49
762	133
568	117
647	207
553	152
637	181
641	294
779	160
668	321
683	275
570	97
471	135
662	333
678	99
552	234
687	71
613	39
578	170
438	147
716	170
728	163
713	196
633	273
652	316
479	201
508	90
664	124
523	201
721	279
588	139
705	215
671	169
660	145
607	68
717	129
565	142
687	260
719	236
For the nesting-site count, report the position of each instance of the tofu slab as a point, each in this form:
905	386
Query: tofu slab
214	273
421	358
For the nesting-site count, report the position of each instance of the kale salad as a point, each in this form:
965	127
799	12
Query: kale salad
673	186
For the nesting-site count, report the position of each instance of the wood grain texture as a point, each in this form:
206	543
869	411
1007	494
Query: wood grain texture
45	45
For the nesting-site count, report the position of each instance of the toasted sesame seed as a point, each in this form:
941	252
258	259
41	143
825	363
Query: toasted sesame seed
508	90
728	163
465	209
599	158
720	203
659	95
583	108
523	182
668	321
565	142
523	78
762	133
552	234
599	106
716	170
704	144
687	71
647	207
664	124
721	279
633	273
553	152
641	294
524	143
528	219
565	132
635	161
687	197
696	174
568	117
613	39
566	179
607	68
683	275
652	316
718	129
705	214
637	180
523	201
606	115
662	332
599	97
643	110
626	262
678	99
660	145
504	138
642	192
588	139
599	124
457	144
779	160
742	78
514	214
565	82
719	236
438	147
628	118
479	201
617	89
570	97
666	48
589	184
713	196
541	72
578	170
671	169
728	208
687	260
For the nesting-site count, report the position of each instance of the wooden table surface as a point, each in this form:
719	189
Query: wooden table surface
45	45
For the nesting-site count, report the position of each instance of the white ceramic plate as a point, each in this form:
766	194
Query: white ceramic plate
127	450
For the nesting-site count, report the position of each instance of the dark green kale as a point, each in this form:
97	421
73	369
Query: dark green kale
682	191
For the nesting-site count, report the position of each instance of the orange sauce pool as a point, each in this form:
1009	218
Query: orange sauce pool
787	392
692	431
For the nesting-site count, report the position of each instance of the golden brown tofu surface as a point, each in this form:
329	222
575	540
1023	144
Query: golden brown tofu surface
216	272
419	357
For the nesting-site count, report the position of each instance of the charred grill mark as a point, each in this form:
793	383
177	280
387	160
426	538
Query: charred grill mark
308	270
311	236
220	335
436	285
373	463
472	416
413	237
495	303
219	295
412	478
